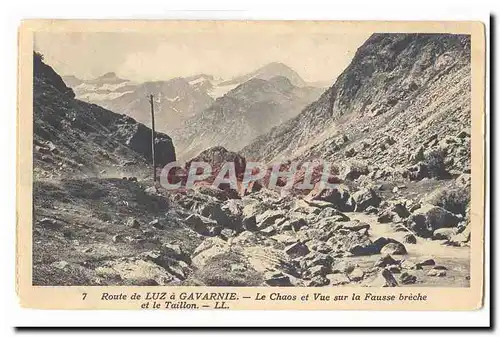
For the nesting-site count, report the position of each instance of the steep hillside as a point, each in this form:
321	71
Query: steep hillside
73	137
400	92
175	101
241	115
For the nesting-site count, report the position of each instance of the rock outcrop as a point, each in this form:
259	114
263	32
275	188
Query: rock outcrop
71	136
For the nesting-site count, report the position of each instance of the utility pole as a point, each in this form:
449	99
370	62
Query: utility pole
153	136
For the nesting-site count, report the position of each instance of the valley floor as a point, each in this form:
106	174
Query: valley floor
123	232
456	259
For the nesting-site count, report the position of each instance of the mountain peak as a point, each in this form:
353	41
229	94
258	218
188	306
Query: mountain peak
110	74
269	71
275	69
109	78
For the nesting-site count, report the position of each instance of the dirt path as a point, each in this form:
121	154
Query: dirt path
455	259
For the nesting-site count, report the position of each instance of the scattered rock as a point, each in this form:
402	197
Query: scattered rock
203	225
156	224
437	273
318	281
394	269
297	224
354	170
356	275
385	279
394	248
268	231
460	239
207	249
384	261
118	238
59	264
50	223
444	233
355	225
406	264
400	209
385	217
426	262
297	249
338	279
350	152
133	223
371	210
410	238
364	198
277	279
339	196
249	223
175	252
318	270
425	220
329	212
268	218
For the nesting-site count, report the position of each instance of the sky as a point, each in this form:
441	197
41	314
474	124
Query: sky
224	53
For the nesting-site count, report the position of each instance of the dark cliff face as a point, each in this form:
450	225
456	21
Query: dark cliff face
393	66
389	82
74	137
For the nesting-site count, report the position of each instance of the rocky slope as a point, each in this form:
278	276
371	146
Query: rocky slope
242	114
72	137
399	93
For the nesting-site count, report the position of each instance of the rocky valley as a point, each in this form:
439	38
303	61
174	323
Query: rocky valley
395	125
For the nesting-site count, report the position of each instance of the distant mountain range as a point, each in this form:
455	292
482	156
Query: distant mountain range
262	99
244	113
398	97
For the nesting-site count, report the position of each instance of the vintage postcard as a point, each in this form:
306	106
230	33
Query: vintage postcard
316	165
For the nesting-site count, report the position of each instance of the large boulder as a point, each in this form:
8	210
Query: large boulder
364	198
138	137
462	238
208	248
217	156
425	220
203	225
353	170
417	172
393	248
269	217
368	247
338	196
444	233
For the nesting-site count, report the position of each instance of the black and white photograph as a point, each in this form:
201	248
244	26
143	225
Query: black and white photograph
228	157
